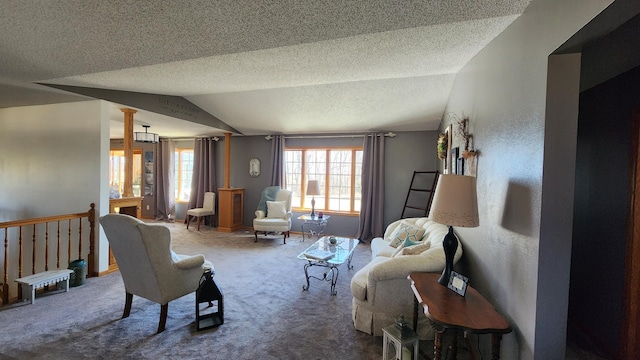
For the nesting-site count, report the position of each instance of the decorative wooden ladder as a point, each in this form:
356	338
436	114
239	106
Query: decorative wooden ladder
420	194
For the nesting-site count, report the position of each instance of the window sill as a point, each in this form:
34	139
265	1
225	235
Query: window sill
327	212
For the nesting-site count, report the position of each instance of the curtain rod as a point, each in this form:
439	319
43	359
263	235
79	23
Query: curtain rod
269	137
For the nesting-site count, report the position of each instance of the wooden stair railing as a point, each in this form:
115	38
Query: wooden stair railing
13	234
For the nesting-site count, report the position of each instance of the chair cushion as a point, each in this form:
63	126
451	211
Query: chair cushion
276	209
199	212
406	231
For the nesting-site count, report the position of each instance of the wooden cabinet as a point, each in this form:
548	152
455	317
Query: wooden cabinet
230	209
130	206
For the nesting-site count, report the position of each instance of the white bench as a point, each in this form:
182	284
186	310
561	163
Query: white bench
30	283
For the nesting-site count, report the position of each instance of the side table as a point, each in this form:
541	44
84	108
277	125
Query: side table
399	337
447	310
317	223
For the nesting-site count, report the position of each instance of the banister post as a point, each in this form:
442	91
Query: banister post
92	239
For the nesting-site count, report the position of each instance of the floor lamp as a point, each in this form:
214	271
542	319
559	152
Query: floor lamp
313	189
455	203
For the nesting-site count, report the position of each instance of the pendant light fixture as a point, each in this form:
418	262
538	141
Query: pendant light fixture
145	137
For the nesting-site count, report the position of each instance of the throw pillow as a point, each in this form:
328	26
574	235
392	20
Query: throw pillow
406	231
276	209
416	249
268	194
400	248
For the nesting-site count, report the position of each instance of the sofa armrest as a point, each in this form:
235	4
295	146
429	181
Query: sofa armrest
260	214
190	262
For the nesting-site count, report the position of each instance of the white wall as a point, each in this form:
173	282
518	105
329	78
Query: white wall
53	160
503	90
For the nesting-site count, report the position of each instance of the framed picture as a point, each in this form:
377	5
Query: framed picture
460	166
453	160
148	172
458	283
254	167
443	149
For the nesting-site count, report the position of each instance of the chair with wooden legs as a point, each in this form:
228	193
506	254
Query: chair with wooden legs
149	268
208	209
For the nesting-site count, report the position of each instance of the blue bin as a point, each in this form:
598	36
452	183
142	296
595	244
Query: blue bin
79	274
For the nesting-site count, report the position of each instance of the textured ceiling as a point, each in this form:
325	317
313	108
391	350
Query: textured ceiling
260	66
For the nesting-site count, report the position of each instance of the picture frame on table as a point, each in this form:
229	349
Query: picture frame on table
458	283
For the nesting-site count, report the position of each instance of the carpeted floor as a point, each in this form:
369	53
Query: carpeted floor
267	314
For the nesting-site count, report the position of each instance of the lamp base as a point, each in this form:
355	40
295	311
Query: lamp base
313	207
450	245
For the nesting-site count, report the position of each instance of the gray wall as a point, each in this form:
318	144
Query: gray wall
510	256
53	160
407	152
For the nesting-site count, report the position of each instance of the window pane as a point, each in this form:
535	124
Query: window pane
116	171
316	166
183	162
335	186
357	201
340	180
293	175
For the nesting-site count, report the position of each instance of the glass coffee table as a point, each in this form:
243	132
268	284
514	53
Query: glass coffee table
326	254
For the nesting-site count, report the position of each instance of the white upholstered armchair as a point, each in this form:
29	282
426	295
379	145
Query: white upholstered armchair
275	215
149	268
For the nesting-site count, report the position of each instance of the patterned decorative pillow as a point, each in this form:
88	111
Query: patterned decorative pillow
416	249
406	231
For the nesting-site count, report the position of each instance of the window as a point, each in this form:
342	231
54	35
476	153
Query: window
338	171
183	172
116	171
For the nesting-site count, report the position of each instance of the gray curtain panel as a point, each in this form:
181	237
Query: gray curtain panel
164	180
371	223
204	171
277	159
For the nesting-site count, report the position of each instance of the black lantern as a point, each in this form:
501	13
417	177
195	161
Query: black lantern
208	314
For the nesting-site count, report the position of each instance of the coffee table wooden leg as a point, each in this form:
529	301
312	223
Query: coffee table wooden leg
495	346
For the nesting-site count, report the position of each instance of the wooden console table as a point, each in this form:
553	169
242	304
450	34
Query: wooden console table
230	209
447	310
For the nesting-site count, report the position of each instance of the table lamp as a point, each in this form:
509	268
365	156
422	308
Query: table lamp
313	189
455	203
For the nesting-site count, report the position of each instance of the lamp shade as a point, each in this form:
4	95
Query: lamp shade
455	202
313	188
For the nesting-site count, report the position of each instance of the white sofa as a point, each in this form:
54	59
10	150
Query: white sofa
381	290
